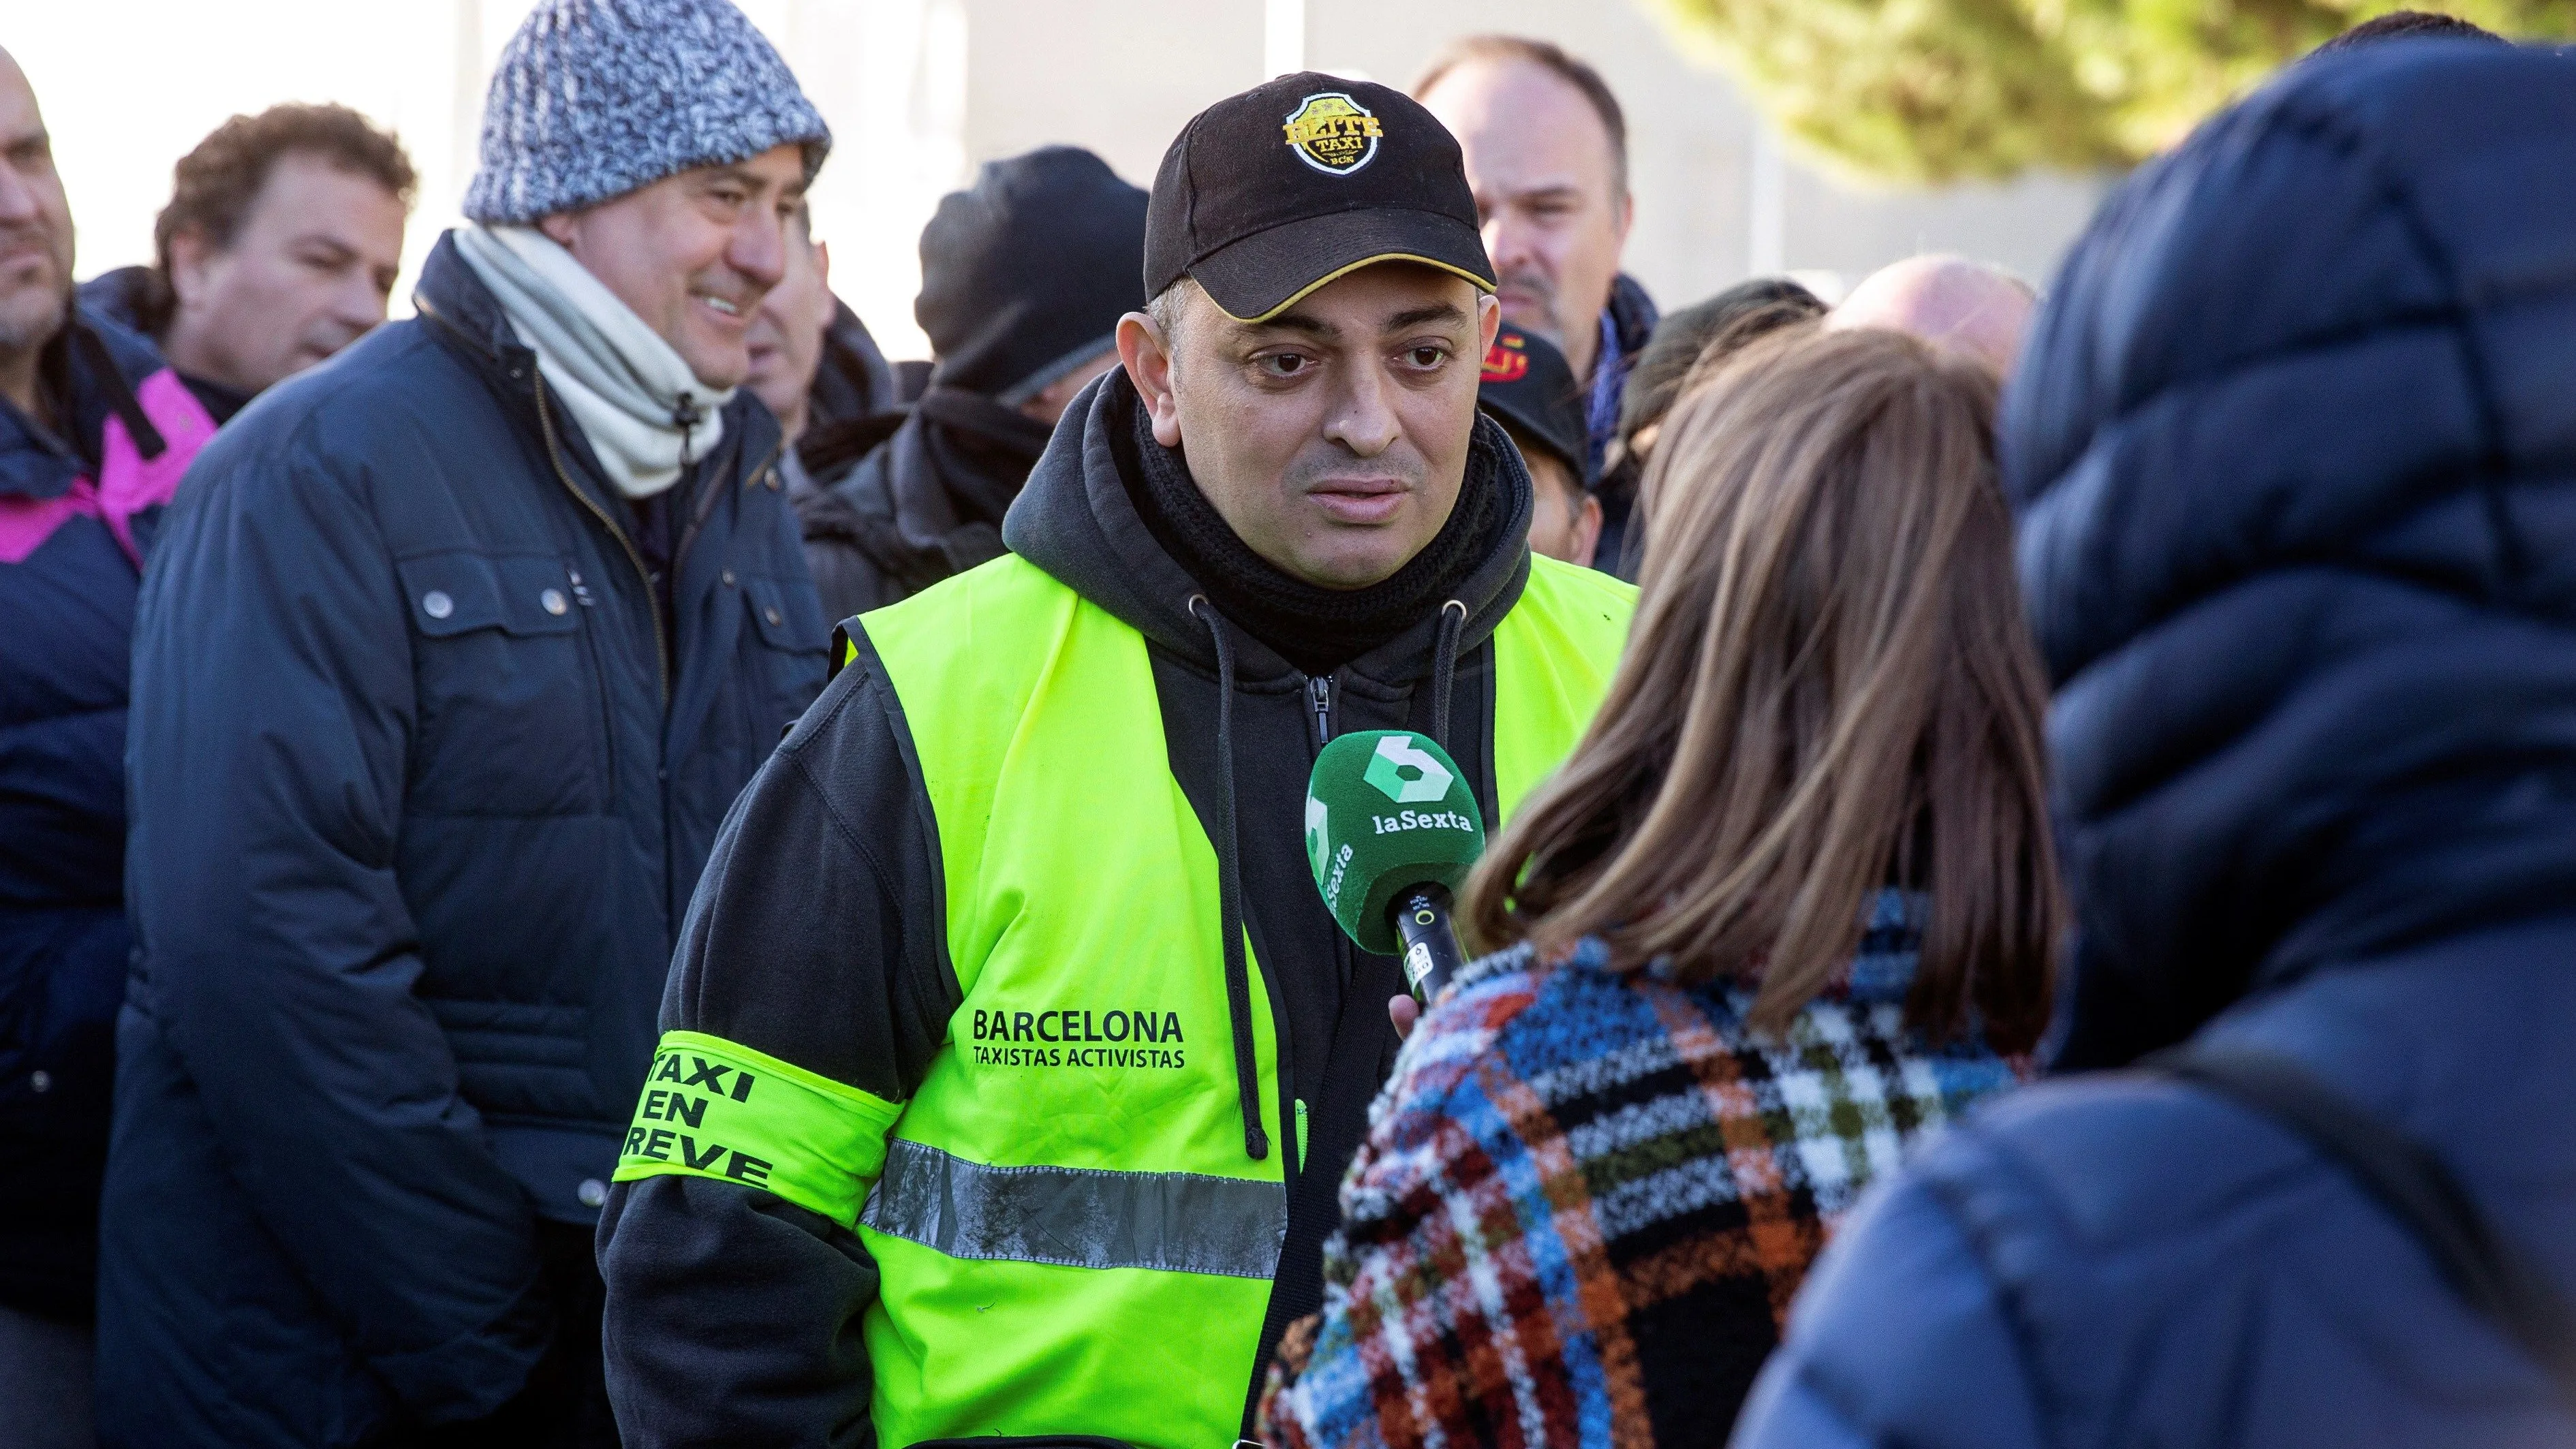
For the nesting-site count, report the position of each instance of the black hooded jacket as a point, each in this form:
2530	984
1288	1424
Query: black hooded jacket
818	938
1024	276
923	505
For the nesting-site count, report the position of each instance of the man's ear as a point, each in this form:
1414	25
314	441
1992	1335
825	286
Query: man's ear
559	227
1489	323
189	255
1586	533
1146	354
823	264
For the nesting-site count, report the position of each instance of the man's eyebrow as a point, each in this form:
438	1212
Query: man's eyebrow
1416	316
1310	325
1301	322
23	139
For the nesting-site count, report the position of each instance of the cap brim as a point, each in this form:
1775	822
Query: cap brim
1257	277
1512	415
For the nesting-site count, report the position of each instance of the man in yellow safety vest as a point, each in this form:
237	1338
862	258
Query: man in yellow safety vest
1011	1060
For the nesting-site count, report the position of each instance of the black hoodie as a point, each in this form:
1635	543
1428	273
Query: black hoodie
817	937
920	506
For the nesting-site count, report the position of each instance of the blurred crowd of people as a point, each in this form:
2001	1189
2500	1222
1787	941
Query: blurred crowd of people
2056	929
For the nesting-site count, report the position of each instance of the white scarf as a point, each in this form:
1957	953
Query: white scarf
625	386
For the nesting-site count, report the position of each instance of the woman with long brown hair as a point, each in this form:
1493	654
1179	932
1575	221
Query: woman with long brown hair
1790	903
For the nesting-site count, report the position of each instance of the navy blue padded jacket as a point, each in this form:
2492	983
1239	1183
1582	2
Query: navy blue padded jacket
2294	447
422	783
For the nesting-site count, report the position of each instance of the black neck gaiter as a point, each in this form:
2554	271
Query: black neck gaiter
1318	630
981	450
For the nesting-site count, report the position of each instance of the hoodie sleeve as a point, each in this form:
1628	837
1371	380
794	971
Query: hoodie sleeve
269	748
812	952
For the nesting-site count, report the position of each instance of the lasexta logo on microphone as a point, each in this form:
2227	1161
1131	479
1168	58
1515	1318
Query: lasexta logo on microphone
1420	820
1406	773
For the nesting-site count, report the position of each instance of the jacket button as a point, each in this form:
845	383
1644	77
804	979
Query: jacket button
554	601
728	578
42	1081
436	604
592	1192
771	615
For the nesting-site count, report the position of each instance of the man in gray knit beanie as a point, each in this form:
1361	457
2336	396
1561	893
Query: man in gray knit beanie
455	652
624	144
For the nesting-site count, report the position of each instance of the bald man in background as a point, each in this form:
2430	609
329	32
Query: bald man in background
1950	302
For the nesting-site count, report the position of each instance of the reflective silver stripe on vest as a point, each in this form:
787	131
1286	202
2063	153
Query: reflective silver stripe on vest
1180	1222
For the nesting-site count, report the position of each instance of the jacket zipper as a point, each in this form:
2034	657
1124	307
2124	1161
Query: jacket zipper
652	598
1319	699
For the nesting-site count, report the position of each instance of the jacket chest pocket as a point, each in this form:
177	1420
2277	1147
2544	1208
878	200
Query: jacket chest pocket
510	713
784	649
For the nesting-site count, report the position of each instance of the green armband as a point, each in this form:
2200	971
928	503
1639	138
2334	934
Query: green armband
714	1108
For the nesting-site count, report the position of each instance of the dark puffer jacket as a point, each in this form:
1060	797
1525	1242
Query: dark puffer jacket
421	800
77	505
2295	438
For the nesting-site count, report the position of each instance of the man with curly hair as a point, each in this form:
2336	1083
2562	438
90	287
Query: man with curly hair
277	249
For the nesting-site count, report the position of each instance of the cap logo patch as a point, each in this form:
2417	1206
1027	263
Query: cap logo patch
1507	360
1333	133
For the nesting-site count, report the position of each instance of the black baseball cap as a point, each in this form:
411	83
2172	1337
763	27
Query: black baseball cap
1270	194
1527	384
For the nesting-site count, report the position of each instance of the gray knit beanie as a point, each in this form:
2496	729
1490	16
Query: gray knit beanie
594	98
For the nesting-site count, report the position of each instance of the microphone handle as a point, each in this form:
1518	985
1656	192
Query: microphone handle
1431	954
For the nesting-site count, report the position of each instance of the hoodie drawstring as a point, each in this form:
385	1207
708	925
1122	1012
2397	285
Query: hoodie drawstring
1229	862
1229	890
1444	668
120	399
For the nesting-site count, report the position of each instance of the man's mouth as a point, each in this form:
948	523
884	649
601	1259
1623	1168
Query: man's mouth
722	306
20	252
1361	501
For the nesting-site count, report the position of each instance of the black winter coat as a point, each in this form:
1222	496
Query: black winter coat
424	782
2293	442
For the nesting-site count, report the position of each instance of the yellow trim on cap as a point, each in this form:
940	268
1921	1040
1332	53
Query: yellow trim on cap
1308	290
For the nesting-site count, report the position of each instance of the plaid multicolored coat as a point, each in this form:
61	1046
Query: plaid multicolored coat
1587	1198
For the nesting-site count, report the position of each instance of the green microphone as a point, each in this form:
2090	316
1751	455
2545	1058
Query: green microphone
1391	829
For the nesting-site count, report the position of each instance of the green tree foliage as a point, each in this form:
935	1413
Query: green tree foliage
1941	90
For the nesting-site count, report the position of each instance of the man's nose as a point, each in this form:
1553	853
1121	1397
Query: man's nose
356	303
758	250
18	203
1509	241
1363	417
